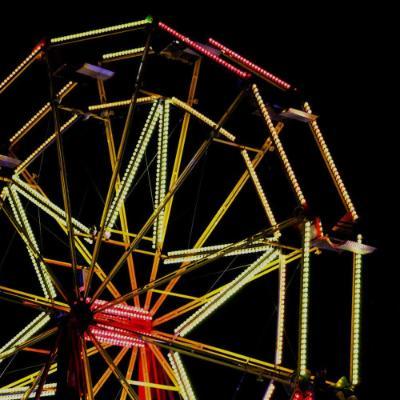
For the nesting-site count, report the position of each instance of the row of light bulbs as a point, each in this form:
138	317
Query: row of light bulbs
101	31
44	145
260	191
49	389
161	174
331	164
184	106
40	269
279	146
42	112
356	317
122	310
25	63
189	255
25	334
185	387
304	301
123	103
226	293
134	164
46	205
122	53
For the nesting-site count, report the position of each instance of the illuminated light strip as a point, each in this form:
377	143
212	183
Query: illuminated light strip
281	310
41	114
228	291
251	66
202	118
203	252
123	53
202	50
21	67
101	31
331	164
115	338
185	387
270	391
161	177
133	164
49	389
122	310
260	190
44	145
304	301
279	146
18	210
26	333
123	103
46	205
356	318
153	385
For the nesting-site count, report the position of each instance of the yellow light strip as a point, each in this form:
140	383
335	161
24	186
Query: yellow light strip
260	191
185	388
279	146
178	256
161	174
40	269
40	114
102	31
226	293
281	310
331	165
123	53
356	318
49	389
270	391
202	118
304	301
43	146
20	68
123	103
26	333
46	205
133	165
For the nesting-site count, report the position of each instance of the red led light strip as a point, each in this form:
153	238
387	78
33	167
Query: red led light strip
204	51
251	66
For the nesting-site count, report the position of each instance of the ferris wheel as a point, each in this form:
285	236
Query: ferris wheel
142	214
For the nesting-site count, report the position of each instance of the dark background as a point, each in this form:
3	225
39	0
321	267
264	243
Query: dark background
337	56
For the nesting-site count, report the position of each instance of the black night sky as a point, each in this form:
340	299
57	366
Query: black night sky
336	57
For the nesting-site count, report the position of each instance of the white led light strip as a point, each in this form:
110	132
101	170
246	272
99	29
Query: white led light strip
260	190
17	393
122	103
25	334
331	164
42	112
101	31
185	388
228	291
279	146
280	323
46	205
40	269
161	176
123	53
133	164
304	301
44	145
356	318
188	255
202	118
